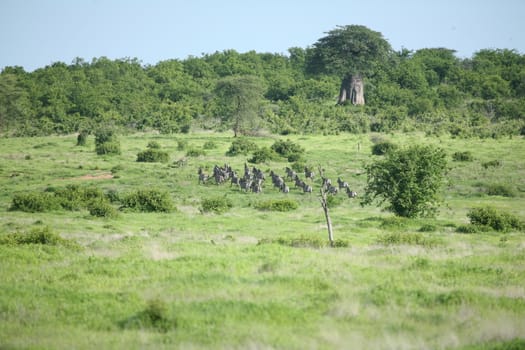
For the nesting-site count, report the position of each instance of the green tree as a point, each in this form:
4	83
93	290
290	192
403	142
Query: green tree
239	102
348	51
408	179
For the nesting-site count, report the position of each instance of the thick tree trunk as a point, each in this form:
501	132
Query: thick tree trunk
352	89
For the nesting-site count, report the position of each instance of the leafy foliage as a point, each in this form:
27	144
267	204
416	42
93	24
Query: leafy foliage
148	200
408	179
278	205
464	156
217	205
496	219
153	155
241	146
288	149
37	235
262	155
382	148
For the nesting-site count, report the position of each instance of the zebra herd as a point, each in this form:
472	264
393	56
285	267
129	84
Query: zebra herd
253	178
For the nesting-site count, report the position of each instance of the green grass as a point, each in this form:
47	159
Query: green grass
187	279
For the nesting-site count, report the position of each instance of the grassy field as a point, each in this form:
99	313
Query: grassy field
193	280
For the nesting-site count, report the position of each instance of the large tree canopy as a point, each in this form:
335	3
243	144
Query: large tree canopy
349	50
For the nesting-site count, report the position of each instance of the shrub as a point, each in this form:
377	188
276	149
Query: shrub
32	202
465	156
148	200
209	145
153	155
288	149
153	145
492	164
298	165
334	201
75	197
262	155
240	146
106	142
470	229
195	152
102	208
382	148
181	145
278	205
82	138
408	179
501	190
108	148
217	205
427	228
496	219
38	235
154	316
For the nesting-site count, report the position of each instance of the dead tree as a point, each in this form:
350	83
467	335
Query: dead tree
324	204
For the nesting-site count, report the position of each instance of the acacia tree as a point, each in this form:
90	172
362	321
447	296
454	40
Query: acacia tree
239	100
350	52
408	179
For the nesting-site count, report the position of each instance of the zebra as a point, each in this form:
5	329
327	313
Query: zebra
202	176
342	184
307	188
309	174
350	193
235	180
284	188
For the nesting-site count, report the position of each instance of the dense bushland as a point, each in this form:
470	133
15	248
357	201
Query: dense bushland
295	93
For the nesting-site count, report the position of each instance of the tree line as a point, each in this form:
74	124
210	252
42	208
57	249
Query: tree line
429	89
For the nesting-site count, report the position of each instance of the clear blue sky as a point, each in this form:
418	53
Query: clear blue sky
35	33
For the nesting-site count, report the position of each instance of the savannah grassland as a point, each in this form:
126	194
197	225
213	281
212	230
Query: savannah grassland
193	280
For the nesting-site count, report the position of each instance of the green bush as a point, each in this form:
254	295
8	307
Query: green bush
106	142
181	145
195	152
76	197
241	146
496	219
108	148
465	156
82	138
278	205
154	316
492	164
153	145
153	155
209	145
38	235
501	190
288	149
33	202
217	205
148	200
470	229
409	180
334	201
262	155
382	148
102	208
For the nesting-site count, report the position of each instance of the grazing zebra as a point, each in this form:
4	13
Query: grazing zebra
245	184
342	184
235	180
307	188
332	189
350	193
309	174
290	174
202	176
